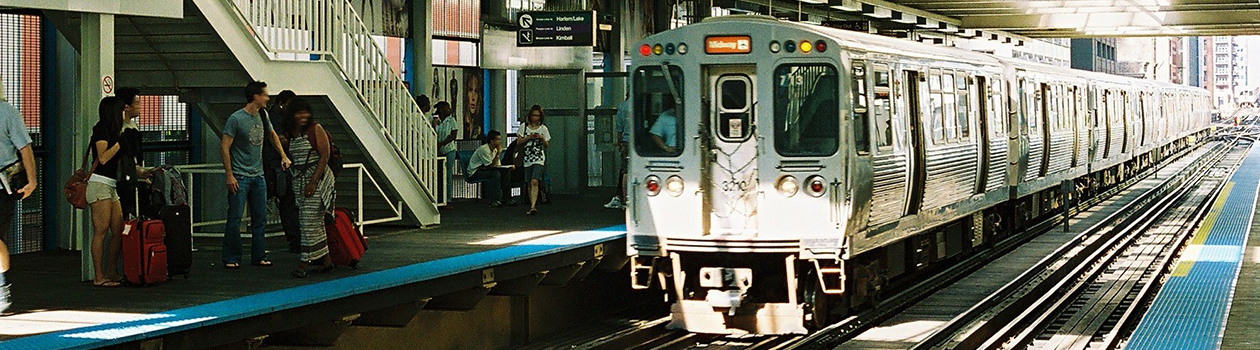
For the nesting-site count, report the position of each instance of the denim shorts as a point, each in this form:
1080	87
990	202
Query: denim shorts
535	172
98	191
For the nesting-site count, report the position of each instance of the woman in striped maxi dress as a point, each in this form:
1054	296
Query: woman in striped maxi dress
312	183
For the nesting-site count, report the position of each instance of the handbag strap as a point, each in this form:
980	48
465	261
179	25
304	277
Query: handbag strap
87	152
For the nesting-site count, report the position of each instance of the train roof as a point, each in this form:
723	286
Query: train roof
895	46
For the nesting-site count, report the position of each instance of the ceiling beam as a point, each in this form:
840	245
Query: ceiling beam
1098	21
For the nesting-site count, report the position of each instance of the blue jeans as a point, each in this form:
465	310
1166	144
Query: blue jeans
494	188
254	190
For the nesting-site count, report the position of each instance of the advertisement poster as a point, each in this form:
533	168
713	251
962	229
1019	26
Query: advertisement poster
463	89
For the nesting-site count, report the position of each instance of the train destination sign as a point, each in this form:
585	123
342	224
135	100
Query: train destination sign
556	29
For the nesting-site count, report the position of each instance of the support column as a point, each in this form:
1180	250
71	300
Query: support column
96	80
422	47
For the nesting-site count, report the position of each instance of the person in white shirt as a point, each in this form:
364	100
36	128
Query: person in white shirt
484	166
447	130
665	130
536	138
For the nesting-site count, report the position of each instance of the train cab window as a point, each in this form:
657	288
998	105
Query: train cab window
806	110
658	117
734	120
964	105
938	113
882	107
996	98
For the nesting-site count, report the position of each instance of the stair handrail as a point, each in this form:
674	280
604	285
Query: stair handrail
332	31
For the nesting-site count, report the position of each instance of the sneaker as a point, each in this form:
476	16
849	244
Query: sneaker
4	297
615	203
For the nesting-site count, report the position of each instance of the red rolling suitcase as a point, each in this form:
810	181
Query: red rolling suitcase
345	243
144	252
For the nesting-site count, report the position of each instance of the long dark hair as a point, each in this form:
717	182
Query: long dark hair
289	122
110	114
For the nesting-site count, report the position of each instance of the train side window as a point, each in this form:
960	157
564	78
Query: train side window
934	98
882	107
806	110
861	112
964	105
996	100
1034	106
658	118
950	117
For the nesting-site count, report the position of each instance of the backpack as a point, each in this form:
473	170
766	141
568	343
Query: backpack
335	163
168	187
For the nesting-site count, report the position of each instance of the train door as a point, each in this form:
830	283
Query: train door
731	202
1046	101
918	163
982	95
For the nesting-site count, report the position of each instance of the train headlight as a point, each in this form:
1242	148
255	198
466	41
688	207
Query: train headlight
775	46
789	46
645	50
653	185
821	46
658	49
817	187
787	186
674	185
682	49
806	46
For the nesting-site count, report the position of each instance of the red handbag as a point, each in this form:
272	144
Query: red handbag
76	186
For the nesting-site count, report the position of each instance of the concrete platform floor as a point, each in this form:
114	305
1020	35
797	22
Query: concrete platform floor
48	296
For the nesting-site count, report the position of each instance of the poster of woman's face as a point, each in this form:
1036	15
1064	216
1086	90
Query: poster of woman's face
472	103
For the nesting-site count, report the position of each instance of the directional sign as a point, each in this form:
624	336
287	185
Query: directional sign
556	29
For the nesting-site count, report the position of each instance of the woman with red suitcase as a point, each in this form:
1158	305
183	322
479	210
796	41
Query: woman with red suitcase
312	183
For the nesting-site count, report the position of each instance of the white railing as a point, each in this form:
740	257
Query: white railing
331	31
362	176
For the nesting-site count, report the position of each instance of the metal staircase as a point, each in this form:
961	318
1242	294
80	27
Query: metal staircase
322	47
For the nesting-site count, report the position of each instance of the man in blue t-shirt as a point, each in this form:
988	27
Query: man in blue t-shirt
17	164
241	146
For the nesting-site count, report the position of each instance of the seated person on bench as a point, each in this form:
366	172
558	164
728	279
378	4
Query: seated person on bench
484	167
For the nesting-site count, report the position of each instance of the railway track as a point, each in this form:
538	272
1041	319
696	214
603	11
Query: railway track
838	334
1091	296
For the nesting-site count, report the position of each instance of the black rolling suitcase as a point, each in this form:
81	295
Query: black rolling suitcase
177	218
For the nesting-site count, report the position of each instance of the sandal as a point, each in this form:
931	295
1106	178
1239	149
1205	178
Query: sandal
262	263
107	284
531	212
231	266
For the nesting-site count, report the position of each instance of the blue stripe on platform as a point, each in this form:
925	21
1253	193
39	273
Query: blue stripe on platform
177	320
1190	311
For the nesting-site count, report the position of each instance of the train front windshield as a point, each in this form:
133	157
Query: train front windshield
658	119
806	110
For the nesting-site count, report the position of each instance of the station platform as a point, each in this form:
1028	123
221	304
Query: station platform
477	250
1204	289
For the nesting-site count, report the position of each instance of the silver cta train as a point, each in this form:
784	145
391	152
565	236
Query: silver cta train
782	173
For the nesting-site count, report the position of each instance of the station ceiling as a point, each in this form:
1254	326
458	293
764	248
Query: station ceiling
1089	18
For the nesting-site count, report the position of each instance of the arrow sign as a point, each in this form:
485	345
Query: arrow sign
556	29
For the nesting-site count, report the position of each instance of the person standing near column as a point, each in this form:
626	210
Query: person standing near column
447	130
536	139
241	146
18	160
